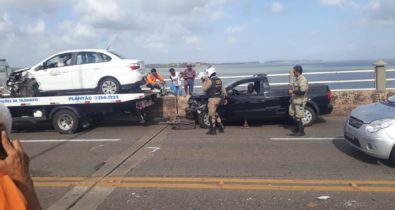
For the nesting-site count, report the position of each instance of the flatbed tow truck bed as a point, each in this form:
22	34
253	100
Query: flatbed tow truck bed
73	112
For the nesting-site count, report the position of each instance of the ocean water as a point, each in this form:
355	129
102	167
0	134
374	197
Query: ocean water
225	70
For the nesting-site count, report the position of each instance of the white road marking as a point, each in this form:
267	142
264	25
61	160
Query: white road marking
95	147
69	140
154	149
305	139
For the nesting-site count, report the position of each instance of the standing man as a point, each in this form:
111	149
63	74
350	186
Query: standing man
189	79
298	100
216	92
175	82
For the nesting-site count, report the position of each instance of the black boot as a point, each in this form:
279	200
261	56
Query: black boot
299	129
296	129
221	127
211	130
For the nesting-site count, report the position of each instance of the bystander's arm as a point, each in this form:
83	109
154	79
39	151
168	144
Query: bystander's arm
16	165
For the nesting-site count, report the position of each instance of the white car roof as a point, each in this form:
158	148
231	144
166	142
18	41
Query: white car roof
82	50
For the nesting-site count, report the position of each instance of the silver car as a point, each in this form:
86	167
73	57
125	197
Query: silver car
371	129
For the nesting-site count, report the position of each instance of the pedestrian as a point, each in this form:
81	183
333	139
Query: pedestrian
298	100
154	80
175	82
16	184
216	92
189	79
250	91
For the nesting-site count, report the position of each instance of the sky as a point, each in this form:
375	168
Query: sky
214	31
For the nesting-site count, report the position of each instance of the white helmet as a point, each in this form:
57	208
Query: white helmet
210	70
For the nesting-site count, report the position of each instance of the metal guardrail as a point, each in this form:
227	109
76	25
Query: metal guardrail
318	82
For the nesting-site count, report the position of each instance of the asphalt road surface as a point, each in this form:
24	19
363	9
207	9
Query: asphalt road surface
122	165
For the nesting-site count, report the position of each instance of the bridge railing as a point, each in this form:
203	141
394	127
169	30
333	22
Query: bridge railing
373	80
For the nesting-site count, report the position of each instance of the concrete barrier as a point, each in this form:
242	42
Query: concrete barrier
166	107
343	102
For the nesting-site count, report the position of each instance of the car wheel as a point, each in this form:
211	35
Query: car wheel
109	86
29	88
65	121
392	157
204	120
309	116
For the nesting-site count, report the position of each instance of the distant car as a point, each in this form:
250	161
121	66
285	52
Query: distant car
87	70
371	129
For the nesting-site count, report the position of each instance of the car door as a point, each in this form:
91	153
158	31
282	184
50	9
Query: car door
55	73
277	102
90	66
242	105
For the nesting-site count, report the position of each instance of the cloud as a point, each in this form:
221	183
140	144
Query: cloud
275	8
34	28
333	2
138	24
36	8
4	22
379	13
233	29
192	40
231	33
372	13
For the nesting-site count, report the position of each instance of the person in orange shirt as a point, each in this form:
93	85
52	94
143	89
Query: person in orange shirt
155	80
16	185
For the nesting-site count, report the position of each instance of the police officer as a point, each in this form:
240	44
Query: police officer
298	100
216	92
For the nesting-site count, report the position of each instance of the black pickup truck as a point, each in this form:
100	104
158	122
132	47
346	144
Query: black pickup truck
269	102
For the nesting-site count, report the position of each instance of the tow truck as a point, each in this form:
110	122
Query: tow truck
70	113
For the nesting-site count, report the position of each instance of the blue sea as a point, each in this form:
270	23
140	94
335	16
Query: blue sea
227	70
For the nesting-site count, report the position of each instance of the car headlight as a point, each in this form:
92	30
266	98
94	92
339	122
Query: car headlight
379	124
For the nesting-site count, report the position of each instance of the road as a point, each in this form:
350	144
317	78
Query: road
122	165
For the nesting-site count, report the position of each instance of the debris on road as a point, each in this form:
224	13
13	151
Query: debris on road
311	205
324	197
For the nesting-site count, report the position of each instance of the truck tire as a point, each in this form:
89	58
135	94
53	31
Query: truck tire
203	120
109	85
309	116
65	121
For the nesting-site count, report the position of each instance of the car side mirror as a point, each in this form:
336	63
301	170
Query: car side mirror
40	67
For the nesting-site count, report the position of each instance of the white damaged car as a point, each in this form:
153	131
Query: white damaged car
371	129
75	71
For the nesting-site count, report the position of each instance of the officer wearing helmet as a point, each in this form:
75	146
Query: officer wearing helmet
216	92
298	100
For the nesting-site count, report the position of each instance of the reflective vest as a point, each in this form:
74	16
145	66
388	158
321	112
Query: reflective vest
216	87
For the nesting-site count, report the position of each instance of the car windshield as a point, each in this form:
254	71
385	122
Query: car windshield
117	54
392	99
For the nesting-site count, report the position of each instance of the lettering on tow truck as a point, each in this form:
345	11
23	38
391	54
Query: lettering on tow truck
6	101
80	98
106	97
24	100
